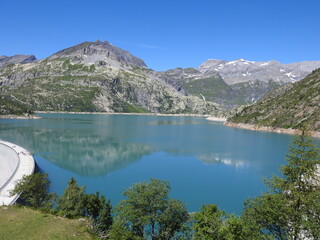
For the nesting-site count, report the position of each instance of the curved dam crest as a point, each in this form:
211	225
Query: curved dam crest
15	162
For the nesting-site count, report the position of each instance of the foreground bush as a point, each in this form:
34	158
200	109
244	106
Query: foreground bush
34	191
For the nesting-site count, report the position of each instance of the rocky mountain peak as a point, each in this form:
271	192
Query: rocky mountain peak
100	52
242	70
4	60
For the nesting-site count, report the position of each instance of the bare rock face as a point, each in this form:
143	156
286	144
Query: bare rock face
241	70
4	60
100	53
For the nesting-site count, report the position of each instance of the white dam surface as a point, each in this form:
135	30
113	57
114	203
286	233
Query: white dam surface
15	162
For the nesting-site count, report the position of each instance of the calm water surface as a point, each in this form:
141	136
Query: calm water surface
204	161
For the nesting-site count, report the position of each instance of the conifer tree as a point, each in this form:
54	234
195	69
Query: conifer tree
291	209
71	202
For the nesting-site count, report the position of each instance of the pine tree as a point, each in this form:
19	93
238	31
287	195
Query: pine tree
71	202
290	210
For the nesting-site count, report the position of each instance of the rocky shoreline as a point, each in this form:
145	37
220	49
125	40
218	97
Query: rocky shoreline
217	119
10	116
270	129
142	114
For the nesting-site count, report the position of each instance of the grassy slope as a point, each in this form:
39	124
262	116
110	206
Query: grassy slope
295	106
24	223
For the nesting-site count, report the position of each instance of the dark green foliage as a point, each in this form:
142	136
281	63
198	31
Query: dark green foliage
121	231
212	223
208	222
33	190
237	228
98	209
268	213
9	105
170	221
129	108
71	202
148	212
290	210
75	203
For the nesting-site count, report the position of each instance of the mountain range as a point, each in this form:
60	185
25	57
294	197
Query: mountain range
93	76
295	106
98	76
239	82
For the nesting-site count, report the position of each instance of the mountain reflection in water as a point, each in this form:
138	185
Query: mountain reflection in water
78	150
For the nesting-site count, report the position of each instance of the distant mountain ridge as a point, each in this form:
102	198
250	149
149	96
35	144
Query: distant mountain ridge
4	60
296	106
235	83
244	71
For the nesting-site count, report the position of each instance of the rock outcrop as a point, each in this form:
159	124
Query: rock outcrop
100	53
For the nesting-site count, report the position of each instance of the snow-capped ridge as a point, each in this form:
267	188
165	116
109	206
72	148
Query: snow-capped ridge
241	70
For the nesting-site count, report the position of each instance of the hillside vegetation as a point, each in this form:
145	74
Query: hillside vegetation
294	106
11	106
215	89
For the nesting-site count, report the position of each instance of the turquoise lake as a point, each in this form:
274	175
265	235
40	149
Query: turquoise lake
205	162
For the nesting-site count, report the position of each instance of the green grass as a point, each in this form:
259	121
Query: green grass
128	108
24	223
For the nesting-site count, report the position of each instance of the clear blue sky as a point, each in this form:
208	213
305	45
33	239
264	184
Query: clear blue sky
167	33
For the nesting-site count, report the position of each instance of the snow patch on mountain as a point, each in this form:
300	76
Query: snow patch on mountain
242	70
